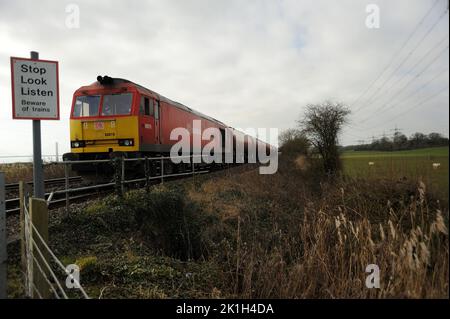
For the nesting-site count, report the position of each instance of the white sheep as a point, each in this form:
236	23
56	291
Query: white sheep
436	165
371	163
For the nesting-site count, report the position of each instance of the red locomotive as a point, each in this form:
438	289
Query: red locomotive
116	117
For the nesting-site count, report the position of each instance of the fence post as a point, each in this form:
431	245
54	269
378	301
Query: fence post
117	175
162	171
147	175
193	166
122	175
25	237
66	176
57	152
23	255
39	218
3	256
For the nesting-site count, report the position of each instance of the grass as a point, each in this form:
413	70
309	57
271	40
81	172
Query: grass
293	234
400	165
427	152
16	172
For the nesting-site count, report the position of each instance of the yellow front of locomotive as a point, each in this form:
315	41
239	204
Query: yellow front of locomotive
104	120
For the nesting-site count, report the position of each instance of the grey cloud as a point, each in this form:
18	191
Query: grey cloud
248	63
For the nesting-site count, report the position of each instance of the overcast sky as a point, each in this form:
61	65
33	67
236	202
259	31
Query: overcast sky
251	63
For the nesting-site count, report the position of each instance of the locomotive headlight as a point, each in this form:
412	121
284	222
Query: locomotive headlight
127	142
77	144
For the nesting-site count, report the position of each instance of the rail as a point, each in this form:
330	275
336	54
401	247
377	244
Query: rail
119	183
47	182
38	259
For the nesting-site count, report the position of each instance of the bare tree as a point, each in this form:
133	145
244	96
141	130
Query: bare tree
322	124
293	141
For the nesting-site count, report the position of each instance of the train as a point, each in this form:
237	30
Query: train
115	117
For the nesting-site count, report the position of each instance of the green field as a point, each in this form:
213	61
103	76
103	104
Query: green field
434	151
414	164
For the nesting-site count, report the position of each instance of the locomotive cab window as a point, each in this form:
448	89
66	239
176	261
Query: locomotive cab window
86	106
146	107
117	104
156	110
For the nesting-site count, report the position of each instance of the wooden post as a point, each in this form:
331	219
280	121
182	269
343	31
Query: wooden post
23	254
147	175
122	175
162	171
117	176
57	152
24	192
3	256
66	177
39	218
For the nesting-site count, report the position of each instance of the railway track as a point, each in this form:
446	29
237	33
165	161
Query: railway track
59	197
48	183
12	201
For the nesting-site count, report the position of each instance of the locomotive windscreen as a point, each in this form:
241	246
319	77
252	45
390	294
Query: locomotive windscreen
86	106
117	104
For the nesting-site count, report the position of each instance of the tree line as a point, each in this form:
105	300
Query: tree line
318	130
401	142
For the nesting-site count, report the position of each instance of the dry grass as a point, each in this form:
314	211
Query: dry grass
293	234
302	162
290	236
24	172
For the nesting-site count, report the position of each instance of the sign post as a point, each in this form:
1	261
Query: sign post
35	96
38	169
3	256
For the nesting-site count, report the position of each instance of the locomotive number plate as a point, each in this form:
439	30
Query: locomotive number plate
99	125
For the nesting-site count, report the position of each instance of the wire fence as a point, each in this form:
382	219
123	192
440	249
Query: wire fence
40	260
42	269
37	259
11	159
151	170
3	252
119	169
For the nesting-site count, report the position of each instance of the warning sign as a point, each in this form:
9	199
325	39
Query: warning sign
35	89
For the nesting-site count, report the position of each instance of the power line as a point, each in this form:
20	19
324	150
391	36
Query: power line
396	53
361	137
431	97
409	71
383	107
399	102
417	91
403	61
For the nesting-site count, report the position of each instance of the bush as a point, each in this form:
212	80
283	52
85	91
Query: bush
167	221
294	142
